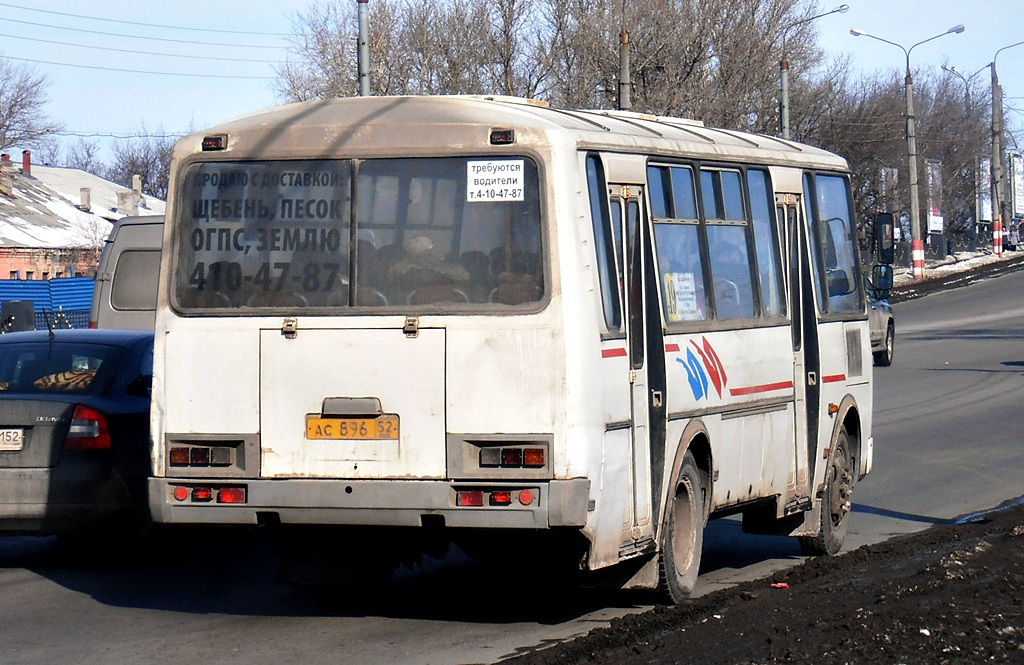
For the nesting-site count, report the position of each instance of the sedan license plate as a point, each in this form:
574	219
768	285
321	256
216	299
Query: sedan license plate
12	439
353	429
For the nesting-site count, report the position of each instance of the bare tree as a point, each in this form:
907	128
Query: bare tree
148	156
84	156
325	54
22	98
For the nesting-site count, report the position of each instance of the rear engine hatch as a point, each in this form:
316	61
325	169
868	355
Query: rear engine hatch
366	403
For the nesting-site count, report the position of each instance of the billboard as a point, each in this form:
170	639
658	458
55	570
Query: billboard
1017	173
933	173
984	189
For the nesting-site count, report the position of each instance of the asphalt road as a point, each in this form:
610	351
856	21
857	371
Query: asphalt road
948	423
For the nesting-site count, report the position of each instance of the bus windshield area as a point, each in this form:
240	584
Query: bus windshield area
375	233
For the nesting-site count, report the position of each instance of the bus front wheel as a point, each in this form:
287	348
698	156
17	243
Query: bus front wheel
683	536
835	502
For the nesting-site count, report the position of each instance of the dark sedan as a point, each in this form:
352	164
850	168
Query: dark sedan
74	429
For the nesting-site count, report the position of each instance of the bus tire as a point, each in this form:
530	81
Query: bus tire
835	502
683	535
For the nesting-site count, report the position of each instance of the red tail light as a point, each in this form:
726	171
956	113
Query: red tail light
88	430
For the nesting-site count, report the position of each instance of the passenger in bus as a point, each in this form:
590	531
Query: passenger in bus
731	274
481	277
425	276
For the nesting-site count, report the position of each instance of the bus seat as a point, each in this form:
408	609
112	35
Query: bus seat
516	289
436	293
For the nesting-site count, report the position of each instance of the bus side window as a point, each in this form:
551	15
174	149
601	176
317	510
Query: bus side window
728	244
604	245
835	260
677	242
765	244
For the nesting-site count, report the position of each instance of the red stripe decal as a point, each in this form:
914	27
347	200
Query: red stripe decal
712	368
833	378
671	348
766	388
613	353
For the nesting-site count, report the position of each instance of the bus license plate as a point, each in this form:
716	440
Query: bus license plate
353	429
12	439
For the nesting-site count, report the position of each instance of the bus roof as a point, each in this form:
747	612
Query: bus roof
383	125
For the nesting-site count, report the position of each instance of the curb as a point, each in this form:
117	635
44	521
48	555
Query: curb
955	279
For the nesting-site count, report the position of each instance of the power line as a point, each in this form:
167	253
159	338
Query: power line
121	50
118	135
141	71
158	39
148	25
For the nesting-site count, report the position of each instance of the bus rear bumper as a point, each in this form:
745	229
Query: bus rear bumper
867	457
519	505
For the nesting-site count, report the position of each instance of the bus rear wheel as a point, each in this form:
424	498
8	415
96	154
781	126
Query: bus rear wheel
683	536
835	502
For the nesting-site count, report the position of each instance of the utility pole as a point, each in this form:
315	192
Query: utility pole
625	83
997	164
998	190
916	223
784	68
364	48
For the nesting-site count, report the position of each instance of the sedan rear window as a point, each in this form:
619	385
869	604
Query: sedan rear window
41	368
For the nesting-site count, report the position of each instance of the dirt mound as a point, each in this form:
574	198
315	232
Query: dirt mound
951	594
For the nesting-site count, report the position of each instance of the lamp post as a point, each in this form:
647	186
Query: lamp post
784	69
916	230
997	157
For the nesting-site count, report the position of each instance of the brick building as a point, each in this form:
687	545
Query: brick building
53	221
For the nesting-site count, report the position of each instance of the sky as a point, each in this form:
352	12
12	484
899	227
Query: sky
63	40
989	26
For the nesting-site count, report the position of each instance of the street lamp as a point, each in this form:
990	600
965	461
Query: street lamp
784	68
967	84
997	156
916	232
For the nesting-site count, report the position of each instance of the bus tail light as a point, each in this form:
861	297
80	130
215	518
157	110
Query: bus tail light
207	494
534	457
231	495
469	498
215	142
494	497
513	458
500	498
199	456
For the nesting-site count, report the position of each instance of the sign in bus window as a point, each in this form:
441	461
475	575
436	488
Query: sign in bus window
428	231
494	180
682	274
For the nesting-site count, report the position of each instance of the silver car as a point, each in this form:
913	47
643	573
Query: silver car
883	329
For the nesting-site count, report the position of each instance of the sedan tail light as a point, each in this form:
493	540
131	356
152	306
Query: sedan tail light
88	430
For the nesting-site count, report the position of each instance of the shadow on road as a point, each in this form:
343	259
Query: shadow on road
235	573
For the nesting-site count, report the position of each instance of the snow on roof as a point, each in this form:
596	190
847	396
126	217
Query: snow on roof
45	213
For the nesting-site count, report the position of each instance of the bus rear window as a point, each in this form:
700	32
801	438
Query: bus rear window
387	233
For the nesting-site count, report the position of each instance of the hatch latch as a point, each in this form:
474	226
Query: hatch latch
290	327
411	327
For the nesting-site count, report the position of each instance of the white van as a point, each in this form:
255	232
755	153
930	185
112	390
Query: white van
126	280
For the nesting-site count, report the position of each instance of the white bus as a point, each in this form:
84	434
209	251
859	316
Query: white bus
573	335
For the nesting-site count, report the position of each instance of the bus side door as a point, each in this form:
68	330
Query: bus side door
804	335
645	348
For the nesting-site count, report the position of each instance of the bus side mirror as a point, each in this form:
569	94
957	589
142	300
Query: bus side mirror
884	225
881	279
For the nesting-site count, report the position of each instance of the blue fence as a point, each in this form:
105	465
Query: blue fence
64	302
